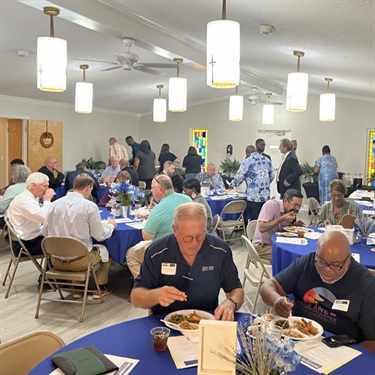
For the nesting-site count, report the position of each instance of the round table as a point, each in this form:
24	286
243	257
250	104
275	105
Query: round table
123	237
132	339
217	203
284	254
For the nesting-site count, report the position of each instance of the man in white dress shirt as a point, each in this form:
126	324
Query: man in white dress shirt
76	216
27	215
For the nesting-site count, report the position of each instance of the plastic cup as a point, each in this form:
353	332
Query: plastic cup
300	233
160	338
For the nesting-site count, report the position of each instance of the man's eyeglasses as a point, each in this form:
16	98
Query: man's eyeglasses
189	238
158	182
334	267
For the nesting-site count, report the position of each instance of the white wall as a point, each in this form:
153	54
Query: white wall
347	135
87	135
83	135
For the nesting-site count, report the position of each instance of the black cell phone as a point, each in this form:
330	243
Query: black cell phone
338	340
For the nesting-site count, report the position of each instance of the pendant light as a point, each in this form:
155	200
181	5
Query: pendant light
223	52
160	107
327	104
177	90
84	94
236	107
268	111
296	94
52	58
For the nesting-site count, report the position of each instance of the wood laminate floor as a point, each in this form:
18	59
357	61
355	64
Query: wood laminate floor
17	312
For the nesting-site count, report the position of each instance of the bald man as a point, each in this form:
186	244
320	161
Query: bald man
330	287
52	169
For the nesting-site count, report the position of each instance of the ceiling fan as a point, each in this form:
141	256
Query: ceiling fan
255	99
130	61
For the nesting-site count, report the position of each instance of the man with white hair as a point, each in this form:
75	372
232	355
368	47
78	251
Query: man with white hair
27	215
215	180
109	174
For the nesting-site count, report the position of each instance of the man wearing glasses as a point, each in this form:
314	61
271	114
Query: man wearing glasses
159	223
274	215
186	269
329	287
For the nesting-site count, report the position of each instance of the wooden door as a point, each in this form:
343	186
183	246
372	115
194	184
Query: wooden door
41	145
15	140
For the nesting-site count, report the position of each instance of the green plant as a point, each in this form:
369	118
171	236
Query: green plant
308	171
229	166
94	165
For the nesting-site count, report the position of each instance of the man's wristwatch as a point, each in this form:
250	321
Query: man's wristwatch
234	302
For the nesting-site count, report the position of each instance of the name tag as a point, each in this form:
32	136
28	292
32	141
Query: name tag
168	268
341	304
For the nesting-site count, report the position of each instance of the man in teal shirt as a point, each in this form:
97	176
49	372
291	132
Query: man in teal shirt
159	223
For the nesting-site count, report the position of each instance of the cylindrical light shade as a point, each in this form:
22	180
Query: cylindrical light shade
296	93
223	54
160	110
327	107
177	94
52	60
84	95
268	114
235	108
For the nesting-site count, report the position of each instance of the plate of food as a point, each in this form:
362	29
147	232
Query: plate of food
186	320
293	229
298	328
289	234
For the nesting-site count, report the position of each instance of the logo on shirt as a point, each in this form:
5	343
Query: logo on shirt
318	295
208	268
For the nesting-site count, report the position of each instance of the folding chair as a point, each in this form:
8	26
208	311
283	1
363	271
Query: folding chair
250	230
21	355
215	224
255	272
235	207
23	256
64	280
314	207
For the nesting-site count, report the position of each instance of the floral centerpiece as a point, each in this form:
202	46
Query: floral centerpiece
262	350
125	193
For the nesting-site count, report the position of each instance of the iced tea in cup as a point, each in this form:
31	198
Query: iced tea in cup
160	338
300	233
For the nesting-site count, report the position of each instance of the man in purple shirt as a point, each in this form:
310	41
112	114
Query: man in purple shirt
273	217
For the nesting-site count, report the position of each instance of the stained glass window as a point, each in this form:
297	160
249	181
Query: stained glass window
371	157
200	141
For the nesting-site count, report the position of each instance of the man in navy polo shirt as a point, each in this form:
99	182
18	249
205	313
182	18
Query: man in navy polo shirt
186	269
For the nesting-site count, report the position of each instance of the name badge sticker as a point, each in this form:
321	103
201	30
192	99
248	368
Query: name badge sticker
168	268
341	304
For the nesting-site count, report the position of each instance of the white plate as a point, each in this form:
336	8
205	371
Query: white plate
296	229
201	313
296	318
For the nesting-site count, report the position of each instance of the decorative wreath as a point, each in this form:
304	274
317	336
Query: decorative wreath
46	139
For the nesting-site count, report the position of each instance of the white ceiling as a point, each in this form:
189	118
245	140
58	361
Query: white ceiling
337	36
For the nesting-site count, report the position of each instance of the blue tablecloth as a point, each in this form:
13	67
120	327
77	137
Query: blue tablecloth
132	339
61	192
284	254
122	238
217	206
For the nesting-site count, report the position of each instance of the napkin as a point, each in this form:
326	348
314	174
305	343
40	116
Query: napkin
293	241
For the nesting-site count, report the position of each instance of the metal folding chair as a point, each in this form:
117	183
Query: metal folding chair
67	247
15	259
